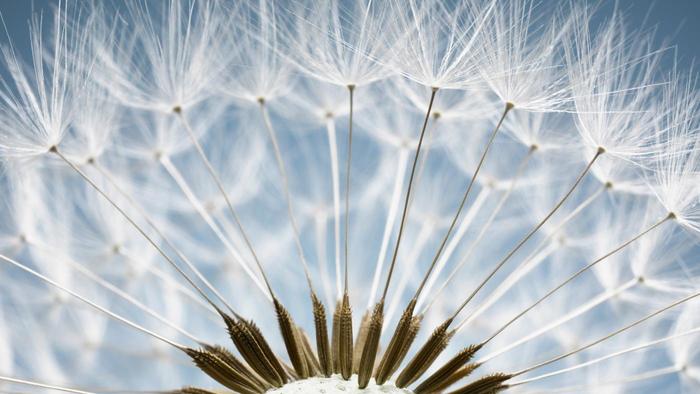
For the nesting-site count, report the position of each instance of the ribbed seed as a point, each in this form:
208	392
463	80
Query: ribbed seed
218	370
426	355
360	340
245	373
345	338
250	350
335	338
460	374
490	384
323	347
393	356
191	390
447	370
267	350
311	360
291	340
369	352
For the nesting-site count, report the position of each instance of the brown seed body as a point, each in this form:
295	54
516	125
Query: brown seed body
369	352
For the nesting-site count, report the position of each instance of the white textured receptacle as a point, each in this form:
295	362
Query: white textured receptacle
336	385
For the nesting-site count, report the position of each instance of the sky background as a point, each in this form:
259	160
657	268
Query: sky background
676	19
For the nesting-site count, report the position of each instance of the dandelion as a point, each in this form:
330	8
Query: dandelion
199	194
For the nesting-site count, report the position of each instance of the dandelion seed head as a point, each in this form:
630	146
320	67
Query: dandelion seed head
347	196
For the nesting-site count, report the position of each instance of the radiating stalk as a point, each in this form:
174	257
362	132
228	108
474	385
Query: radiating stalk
424	235
595	387
399	178
43	385
335	183
199	208
538	255
348	168
115	290
602	298
131	221
320	224
151	222
608	356
608	336
90	303
287	193
457	214
579	272
531	233
177	286
464	225
408	193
